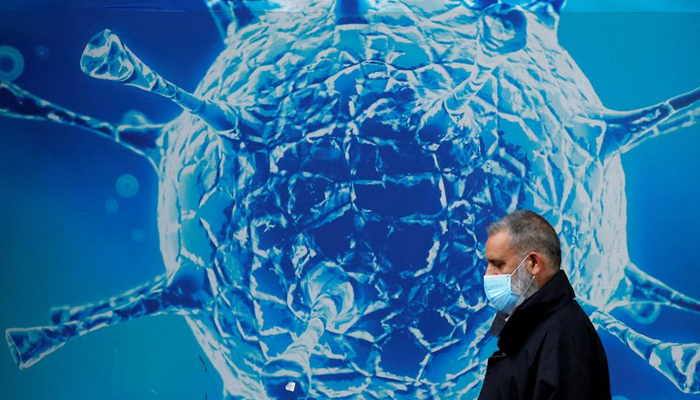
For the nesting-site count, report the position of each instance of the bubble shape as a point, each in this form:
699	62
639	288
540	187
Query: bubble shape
111	206
41	52
127	185
138	235
11	63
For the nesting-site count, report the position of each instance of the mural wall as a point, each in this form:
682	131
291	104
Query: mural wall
296	193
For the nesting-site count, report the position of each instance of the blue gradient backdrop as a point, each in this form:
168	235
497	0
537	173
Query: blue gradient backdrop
59	244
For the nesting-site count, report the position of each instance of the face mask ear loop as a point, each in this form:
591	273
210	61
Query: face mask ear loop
529	284
519	265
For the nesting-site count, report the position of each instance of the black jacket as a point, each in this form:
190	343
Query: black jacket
548	349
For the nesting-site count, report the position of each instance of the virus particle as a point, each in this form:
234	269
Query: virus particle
127	185
323	198
11	63
41	52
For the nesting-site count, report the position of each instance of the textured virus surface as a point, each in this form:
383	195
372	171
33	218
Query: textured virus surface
324	196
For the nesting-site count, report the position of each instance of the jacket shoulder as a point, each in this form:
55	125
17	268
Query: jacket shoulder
571	331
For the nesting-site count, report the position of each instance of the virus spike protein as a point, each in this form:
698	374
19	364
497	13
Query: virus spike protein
646	289
30	345
106	57
626	130
679	362
331	295
227	12
502	31
16	102
60	315
350	11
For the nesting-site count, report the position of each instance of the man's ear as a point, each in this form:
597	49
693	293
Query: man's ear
536	263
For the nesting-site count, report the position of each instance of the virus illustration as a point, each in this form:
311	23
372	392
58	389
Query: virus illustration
324	196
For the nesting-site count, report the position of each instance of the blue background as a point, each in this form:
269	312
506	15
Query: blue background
60	246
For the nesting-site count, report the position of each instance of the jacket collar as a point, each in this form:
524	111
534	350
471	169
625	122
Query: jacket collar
554	295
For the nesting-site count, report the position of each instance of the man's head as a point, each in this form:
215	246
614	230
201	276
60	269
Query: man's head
523	236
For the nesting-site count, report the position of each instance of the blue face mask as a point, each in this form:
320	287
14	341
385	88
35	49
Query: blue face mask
499	291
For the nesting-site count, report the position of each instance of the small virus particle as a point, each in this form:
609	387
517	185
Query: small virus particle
11	63
127	185
138	235
111	206
41	52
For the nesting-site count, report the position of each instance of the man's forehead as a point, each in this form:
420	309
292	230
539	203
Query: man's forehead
498	245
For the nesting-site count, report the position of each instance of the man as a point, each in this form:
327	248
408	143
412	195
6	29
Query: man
547	346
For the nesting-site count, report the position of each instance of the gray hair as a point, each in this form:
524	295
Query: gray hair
530	232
